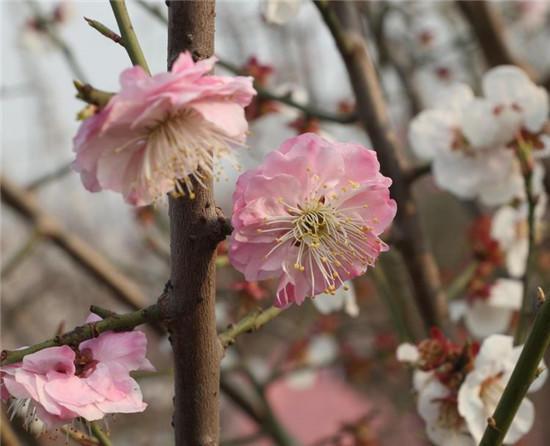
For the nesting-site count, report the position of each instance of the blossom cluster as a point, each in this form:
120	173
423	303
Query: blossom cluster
458	387
59	385
472	141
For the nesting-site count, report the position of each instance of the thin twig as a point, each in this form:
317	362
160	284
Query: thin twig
249	323
50	29
525	371
79	334
92	95
56	174
78	436
22	253
104	30
128	34
81	252
524	156
101	436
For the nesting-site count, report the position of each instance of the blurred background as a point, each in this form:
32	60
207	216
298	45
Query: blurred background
329	378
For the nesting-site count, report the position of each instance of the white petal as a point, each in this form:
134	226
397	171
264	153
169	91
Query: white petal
327	303
407	352
457	309
502	181
539	381
505	83
494	350
470	405
322	350
458	174
482	319
516	257
433	132
457	97
506	293
534	106
421	379
503	226
278	12
342	299
427	404
350	303
479	125
522	423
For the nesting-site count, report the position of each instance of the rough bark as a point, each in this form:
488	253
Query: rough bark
347	30
196	227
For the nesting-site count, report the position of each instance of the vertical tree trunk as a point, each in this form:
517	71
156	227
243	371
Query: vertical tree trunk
195	230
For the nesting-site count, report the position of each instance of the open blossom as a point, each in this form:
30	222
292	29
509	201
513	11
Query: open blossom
488	308
310	215
59	384
439	370
471	140
484	385
466	170
511	103
162	129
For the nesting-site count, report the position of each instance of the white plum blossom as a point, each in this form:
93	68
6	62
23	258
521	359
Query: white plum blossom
342	299
511	103
438	134
436	403
491	314
444	425
470	141
481	390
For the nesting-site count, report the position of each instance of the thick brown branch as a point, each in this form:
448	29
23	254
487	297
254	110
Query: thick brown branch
343	21
196	227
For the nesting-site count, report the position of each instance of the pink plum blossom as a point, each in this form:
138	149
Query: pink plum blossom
160	132
310	215
59	384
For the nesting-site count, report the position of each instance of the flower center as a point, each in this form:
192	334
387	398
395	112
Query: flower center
449	417
329	240
490	392
84	363
178	149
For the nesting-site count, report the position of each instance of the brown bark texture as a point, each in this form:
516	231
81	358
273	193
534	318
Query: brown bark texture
196	227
